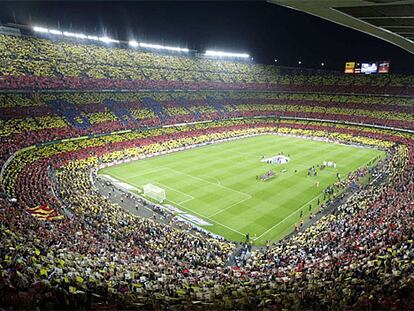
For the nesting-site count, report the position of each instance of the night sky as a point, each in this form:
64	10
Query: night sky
265	31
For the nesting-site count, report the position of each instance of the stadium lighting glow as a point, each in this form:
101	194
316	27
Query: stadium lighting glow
299	62
322	64
108	40
93	38
74	35
133	43
40	29
162	47
226	54
55	32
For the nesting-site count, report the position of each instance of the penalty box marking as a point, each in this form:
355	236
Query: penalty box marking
283	220
209	182
190	197
189	209
228	207
206	217
247	196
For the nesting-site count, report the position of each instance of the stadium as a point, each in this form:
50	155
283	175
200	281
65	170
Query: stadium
141	175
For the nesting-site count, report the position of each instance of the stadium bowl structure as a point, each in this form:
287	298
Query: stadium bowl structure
69	240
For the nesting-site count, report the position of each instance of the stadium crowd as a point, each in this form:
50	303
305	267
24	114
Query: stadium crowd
103	255
27	119
33	63
68	108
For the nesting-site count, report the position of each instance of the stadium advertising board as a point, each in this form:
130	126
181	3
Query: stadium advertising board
349	67
384	67
367	68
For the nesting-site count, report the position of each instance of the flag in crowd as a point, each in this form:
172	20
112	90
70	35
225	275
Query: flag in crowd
44	212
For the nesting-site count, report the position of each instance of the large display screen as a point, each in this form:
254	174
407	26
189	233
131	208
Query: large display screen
384	67
349	67
367	68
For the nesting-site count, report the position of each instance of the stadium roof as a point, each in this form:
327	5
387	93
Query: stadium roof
390	20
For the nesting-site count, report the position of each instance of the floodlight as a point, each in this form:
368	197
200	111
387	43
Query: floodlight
55	32
107	40
162	47
148	45
133	43
171	48
40	29
74	35
93	38
226	54
80	35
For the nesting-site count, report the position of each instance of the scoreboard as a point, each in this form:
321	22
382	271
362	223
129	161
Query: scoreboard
367	68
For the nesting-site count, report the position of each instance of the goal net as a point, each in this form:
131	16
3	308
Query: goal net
154	192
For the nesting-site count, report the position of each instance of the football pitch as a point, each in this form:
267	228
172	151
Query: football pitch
218	182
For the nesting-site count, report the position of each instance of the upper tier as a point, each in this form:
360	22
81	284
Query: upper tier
30	118
33	63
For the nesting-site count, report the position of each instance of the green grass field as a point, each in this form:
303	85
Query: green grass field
218	182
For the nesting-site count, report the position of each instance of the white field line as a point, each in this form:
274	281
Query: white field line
283	220
209	182
218	181
185	194
191	211
298	210
219	184
188	200
206	217
144	172
228	207
155	182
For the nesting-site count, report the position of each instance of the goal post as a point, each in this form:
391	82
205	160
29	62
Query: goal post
154	192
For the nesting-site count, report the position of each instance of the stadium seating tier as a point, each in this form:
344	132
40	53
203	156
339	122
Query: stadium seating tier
66	108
